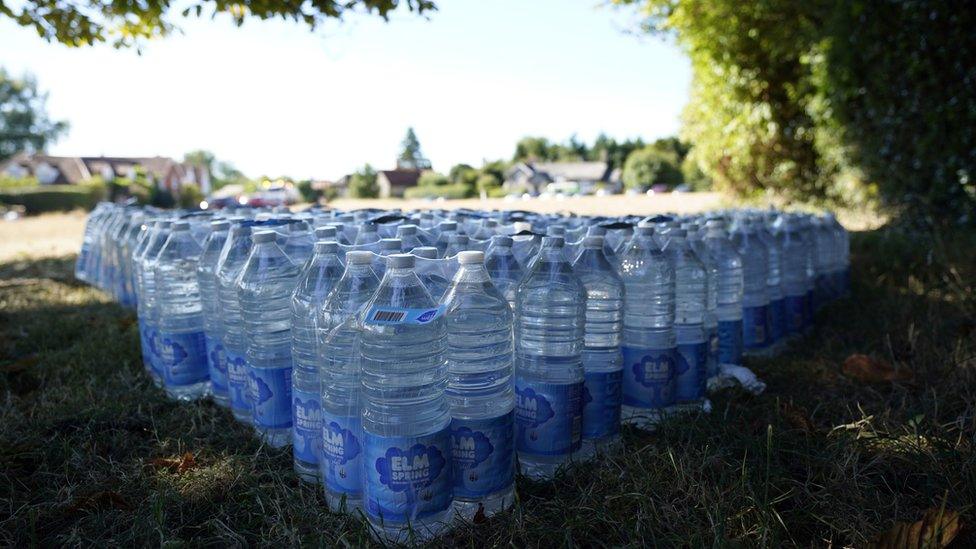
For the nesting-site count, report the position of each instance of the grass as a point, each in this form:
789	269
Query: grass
819	459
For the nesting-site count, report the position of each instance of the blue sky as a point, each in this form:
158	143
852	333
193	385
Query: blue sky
277	99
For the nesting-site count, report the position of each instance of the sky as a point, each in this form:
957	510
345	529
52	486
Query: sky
274	98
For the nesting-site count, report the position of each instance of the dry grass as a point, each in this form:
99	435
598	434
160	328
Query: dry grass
48	235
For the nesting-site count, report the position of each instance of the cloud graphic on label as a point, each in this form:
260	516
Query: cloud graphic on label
339	445
470	447
532	409
218	359
171	352
417	467
587	397
258	389
427	316
654	370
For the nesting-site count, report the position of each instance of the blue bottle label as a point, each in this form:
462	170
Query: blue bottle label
601	404
307	432
548	417
407	478
342	453
648	377
755	329
269	390
217	363
691	371
183	358
386	315
145	337
483	452
155	351
237	384
808	309
777	320
795	305
730	342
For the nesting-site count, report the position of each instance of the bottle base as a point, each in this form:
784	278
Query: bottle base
643	418
342	503
542	467
485	507
307	472
276	438
188	393
244	416
220	400
411	533
595	447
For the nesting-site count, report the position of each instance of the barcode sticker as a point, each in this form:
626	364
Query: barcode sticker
383	315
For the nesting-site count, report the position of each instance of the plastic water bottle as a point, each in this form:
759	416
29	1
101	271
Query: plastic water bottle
504	268
456	244
264	289
408	237
367	234
210	303
232	259
182	347
319	275
728	291
755	301
299	242
446	229
794	256
696	239
148	307
649	341
406	415
339	371
479	364
690	297
602	359
549	318
824	244
774	281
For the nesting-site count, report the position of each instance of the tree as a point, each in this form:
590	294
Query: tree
433	179
24	122
488	182
362	184
534	149
411	157
650	166
76	23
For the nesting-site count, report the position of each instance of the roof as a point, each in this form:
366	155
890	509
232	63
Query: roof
75	169
401	178
574	171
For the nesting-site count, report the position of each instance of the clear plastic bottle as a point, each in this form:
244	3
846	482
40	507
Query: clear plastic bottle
774	280
148	307
182	345
317	279
264	290
408	237
340	383
406	414
504	268
299	242
367	234
210	302
446	229
457	244
549	319
480	365
649	346
794	277
690	297
232	259
602	359
728	291
755	277
696	239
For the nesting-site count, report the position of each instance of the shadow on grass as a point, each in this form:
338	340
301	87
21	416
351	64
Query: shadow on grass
819	458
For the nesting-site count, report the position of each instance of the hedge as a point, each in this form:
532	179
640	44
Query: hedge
449	192
51	198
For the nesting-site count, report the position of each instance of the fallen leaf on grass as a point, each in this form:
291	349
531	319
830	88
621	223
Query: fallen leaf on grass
99	500
20	365
180	464
870	370
937	528
797	416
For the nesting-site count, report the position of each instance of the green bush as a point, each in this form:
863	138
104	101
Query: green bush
651	166
449	192
497	192
433	179
190	196
52	198
8	182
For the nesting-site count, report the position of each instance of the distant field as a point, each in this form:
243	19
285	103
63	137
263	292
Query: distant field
50	235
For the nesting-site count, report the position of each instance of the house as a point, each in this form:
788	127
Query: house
163	172
569	177
392	183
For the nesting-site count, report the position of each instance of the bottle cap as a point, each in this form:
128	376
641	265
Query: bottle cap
471	257
325	233
448	225
593	241
390	244
181	225
263	236
400	261
220	225
427	252
359	257
677	233
406	229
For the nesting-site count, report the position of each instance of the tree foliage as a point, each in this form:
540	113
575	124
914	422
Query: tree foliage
411	157
75	23
798	98
651	166
24	122
362	184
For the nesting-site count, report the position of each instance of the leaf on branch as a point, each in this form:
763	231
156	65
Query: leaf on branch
870	370
937	528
